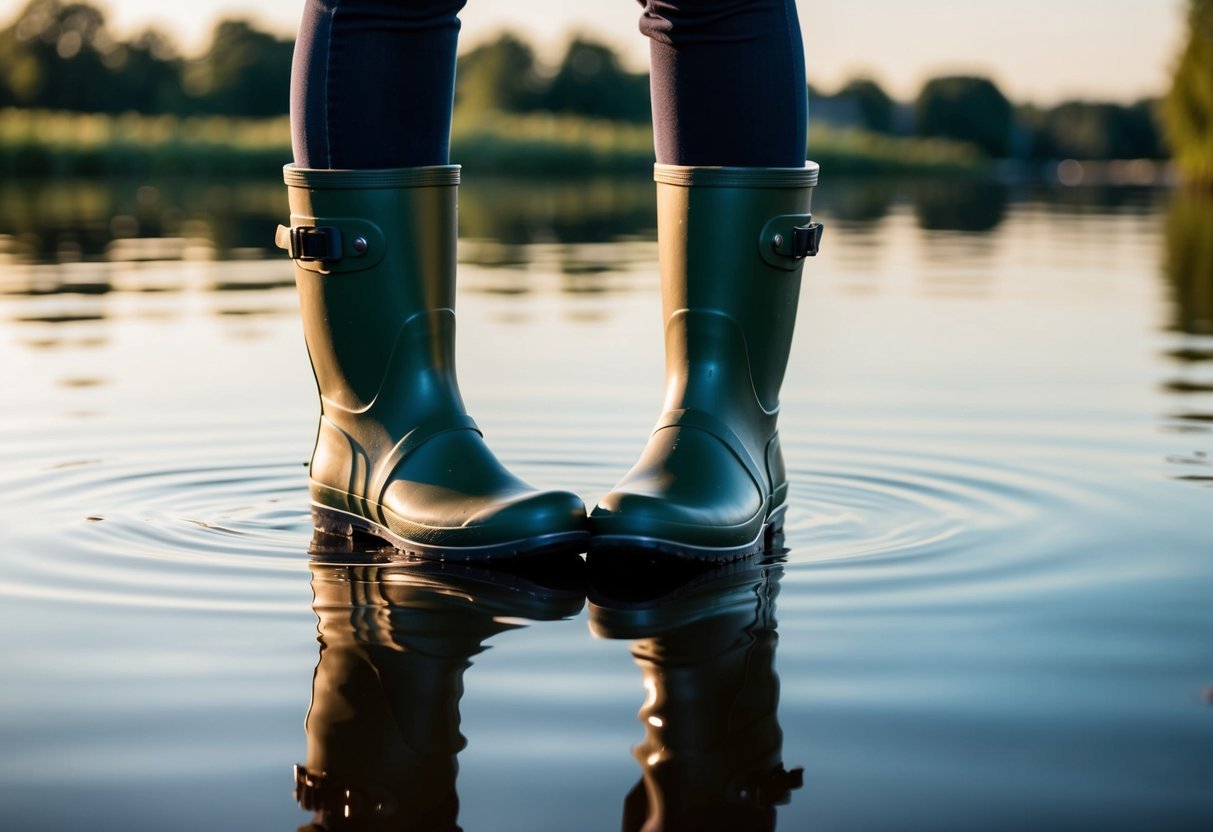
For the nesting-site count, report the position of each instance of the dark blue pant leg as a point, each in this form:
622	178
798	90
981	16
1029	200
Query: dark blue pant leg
728	82
373	83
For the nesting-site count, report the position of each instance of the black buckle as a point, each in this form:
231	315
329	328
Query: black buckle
806	239
317	792
312	243
776	786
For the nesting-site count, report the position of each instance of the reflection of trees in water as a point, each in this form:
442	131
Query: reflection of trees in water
959	206
855	200
1188	263
53	221
1102	199
519	211
1188	270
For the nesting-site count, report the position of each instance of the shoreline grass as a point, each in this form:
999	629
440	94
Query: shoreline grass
40	143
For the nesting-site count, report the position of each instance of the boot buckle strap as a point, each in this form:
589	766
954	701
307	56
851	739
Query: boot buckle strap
313	243
331	244
789	238
806	239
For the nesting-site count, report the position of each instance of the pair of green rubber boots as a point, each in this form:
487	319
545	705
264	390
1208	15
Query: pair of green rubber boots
397	455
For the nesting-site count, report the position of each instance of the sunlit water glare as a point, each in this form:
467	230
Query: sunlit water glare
997	605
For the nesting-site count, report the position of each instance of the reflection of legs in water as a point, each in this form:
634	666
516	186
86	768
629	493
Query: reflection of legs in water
397	454
383	728
733	226
712	753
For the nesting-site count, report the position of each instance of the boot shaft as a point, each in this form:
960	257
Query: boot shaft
726	238
373	251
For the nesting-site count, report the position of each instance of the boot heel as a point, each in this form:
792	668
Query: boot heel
342	524
772	536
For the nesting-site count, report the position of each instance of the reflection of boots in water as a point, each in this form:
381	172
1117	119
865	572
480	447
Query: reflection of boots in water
383	727
712	752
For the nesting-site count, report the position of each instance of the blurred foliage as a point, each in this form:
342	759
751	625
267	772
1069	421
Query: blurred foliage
875	106
854	151
1188	109
512	110
56	143
546	143
244	72
61	56
50	221
501	75
1189	261
960	206
590	81
969	109
504	76
1094	130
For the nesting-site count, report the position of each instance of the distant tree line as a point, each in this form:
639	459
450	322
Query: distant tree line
61	56
973	109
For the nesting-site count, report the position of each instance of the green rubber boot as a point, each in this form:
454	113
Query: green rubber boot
397	455
711	483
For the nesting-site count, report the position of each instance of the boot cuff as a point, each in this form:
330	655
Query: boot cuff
432	176
734	177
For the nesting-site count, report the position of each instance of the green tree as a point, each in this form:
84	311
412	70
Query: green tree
61	56
499	75
146	74
52	56
967	108
875	106
1094	130
244	72
1188	110
590	81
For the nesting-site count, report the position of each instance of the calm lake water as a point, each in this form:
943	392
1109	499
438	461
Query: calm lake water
995	610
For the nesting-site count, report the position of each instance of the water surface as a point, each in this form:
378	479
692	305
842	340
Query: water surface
995	609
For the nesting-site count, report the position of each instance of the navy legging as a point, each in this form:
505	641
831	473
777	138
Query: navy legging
373	82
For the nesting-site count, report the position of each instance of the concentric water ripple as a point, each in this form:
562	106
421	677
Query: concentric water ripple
150	522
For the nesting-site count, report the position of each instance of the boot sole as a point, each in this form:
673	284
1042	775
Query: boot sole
344	524
768	540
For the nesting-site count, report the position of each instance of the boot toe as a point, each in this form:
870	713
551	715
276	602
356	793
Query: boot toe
535	513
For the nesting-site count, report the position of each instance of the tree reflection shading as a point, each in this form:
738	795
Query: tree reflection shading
1188	263
704	639
1188	271
960	205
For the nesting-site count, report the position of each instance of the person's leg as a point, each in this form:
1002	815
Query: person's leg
728	82
733	229
373	83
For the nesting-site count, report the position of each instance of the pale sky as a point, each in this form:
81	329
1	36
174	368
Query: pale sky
1036	50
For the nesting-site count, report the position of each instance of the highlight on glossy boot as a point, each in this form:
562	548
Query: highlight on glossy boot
397	456
711	484
395	642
